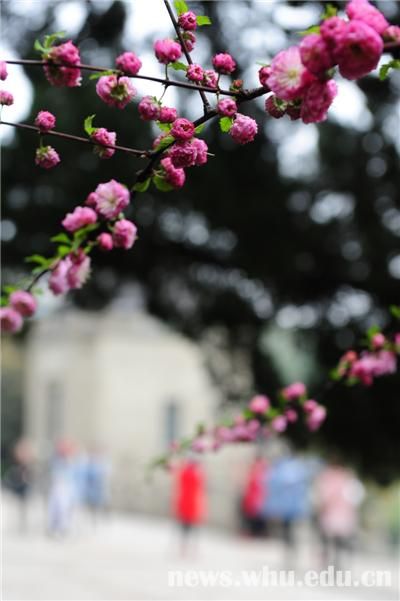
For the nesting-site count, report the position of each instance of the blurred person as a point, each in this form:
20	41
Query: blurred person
288	500
96	489
19	477
338	495
64	490
254	496
189	499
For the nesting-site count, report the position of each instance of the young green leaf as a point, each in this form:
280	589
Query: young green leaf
177	66
161	184
225	124
200	128
39	259
53	37
39	47
164	126
63	250
203	20
330	11
142	186
165	142
62	237
384	70
312	29
395	311
102	73
181	7
88	125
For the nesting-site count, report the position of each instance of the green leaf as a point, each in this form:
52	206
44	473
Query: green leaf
384	70
312	29
142	186
334	375
39	259
102	74
63	250
225	124
62	237
53	37
372	331
3	301
166	141
177	66
203	20
200	128
181	7
88	125
10	289
39	47
395	311
330	11
164	126
161	184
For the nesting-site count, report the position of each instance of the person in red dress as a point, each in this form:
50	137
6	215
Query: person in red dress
190	498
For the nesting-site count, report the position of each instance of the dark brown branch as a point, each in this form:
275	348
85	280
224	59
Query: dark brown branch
59	134
182	42
163	81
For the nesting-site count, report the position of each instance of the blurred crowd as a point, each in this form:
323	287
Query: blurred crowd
276	493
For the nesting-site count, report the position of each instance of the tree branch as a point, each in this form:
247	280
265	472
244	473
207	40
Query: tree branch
182	42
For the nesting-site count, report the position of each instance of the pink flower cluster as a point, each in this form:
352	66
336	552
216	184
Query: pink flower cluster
21	304
149	108
223	63
46	157
187	21
70	273
6	98
45	121
115	91
104	139
61	69
174	176
80	217
187	153
3	70
244	129
109	199
167	51
129	63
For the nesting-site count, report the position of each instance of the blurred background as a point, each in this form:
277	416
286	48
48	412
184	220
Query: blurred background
273	260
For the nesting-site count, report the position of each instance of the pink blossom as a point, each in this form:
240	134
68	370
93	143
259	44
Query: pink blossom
182	129
378	340
199	445
190	40
80	217
224	63
371	365
358	50
105	241
263	75
195	72
279	423
309	405
183	154
6	98
3	70
392	34
10	320
91	200
129	63
317	100
187	21
210	78
167	51
111	198
23	302
124	234
243	129
57	73
175	177
275	106
331	31
288	76
316	418
79	270
259	404
149	108
291	415
58	283
227	107
362	10
223	434
294	391
46	157
167	114
315	54
45	121
103	138
114	91
201	151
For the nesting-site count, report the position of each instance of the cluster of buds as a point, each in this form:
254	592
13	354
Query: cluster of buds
378	359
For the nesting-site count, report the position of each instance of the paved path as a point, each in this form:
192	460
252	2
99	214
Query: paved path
128	558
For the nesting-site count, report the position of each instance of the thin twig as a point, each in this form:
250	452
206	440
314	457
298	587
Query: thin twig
186	52
59	134
163	81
